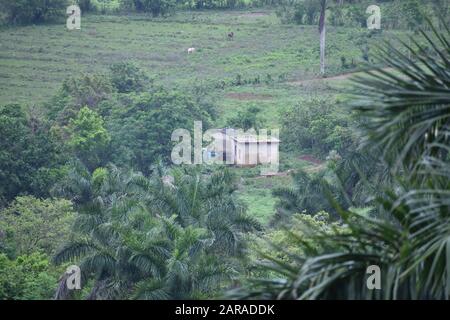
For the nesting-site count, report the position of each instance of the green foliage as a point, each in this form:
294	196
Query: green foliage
306	195
208	202
29	277
29	156
412	114
29	225
216	4
141	129
155	7
298	236
302	12
409	248
78	92
139	126
405	14
86	6
88	137
127	77
184	234
153	238
248	119
350	14
318	125
406	112
33	11
396	14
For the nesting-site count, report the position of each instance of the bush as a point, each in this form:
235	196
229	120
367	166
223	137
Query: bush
29	277
247	119
127	77
304	12
89	139
398	14
301	227
316	125
86	5
141	128
29	224
155	7
27	150
33	11
77	92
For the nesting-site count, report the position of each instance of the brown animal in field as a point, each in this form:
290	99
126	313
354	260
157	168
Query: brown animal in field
92	32
231	35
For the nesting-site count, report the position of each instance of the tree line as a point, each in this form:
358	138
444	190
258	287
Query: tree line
397	14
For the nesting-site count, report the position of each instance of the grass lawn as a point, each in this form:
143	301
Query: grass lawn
256	193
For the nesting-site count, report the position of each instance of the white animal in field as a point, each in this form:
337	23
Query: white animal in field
191	50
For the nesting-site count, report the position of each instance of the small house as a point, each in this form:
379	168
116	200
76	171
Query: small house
245	149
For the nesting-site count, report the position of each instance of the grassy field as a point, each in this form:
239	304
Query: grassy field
34	60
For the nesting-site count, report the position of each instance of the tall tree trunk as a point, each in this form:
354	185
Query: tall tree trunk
322	30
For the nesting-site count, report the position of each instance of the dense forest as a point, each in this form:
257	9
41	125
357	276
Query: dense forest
87	177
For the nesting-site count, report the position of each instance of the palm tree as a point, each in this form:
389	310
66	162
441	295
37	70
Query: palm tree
207	225
143	238
306	195
205	201
411	119
190	271
406	111
115	242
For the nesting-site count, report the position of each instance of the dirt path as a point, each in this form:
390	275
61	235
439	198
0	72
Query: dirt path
334	78
341	77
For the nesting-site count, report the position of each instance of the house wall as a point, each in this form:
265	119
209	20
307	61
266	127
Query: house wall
274	152
230	151
224	147
265	152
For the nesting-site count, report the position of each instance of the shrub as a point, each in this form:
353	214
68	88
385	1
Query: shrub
248	119
27	150
316	125
86	5
30	224
127	77
88	137
155	7
29	277
32	11
77	92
